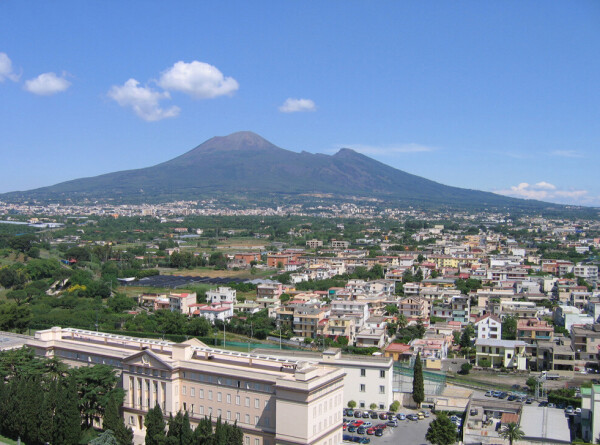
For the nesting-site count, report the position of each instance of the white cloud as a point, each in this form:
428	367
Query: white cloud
545	191
567	154
144	101
389	149
6	69
292	105
198	79
47	84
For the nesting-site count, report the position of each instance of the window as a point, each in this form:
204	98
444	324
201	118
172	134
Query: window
184	406
237	400
363	372
255	420
201	393
219	413
256	442
237	417
228	415
201	409
184	390
193	392
247	418
209	395
256	403
363	387
219	397
382	373
247	440
228	398
381	389
247	401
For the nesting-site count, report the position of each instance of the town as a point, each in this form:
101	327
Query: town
501	312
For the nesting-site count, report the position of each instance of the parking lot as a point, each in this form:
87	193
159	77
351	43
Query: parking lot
407	431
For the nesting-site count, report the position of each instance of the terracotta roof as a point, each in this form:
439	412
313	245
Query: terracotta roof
398	347
492	316
509	418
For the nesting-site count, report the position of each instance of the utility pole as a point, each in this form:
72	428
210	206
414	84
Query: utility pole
223	333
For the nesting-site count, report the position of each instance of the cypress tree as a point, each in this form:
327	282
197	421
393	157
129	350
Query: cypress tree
418	390
67	420
203	432
113	421
186	431
49	412
155	427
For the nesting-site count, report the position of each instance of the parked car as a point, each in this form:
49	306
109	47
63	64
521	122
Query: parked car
511	398
365	440
365	415
569	410
352	429
529	401
551	405
349	412
393	423
370	431
361	430
412	417
379	432
373	415
357	414
383	416
543	404
357	423
347	437
401	416
381	426
367	424
577	410
489	393
356	439
503	395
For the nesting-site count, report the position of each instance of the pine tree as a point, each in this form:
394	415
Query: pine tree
203	432
48	412
186	431
155	427
418	392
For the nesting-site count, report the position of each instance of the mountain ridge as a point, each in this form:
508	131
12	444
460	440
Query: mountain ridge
244	162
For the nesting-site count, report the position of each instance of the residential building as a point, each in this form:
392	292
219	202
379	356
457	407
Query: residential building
269	290
413	308
273	401
314	243
306	320
221	295
488	326
590	413
371	337
337	244
586	344
531	330
180	302
212	311
556	356
501	353
588	272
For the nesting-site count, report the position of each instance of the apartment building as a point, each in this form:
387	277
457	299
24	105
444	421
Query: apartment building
586	344
501	353
273	400
587	272
337	244
488	326
314	243
180	302
556	356
306	320
413	307
222	295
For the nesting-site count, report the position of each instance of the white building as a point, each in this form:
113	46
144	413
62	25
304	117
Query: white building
488	326
222	295
213	311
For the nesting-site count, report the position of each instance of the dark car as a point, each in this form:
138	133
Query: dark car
350	412
347	437
381	426
373	415
511	398
383	416
365	415
365	440
361	430
356	439
542	404
393	423
379	432
503	395
412	417
351	429
357	414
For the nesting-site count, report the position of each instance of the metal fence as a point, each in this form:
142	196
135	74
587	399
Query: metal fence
434	382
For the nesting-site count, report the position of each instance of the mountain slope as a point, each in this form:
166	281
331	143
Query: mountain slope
246	163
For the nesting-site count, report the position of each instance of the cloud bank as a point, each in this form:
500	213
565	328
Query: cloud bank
390	149
47	84
144	101
545	191
292	105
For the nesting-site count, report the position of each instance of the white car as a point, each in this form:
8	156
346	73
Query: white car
577	410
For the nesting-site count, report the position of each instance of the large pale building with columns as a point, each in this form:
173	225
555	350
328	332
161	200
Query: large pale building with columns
275	401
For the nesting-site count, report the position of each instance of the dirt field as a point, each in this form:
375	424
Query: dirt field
209	272
520	379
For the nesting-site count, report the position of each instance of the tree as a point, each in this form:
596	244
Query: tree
512	432
441	430
418	389
155	427
351	404
509	328
106	438
113	421
402	321
465	368
96	385
531	383
67	418
391	309
373	406
394	406
465	338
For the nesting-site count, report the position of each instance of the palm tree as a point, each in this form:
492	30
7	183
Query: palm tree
402	321
512	432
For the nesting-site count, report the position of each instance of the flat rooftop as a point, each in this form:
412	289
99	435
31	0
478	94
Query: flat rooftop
548	425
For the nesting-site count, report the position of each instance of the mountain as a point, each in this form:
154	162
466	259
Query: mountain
245	163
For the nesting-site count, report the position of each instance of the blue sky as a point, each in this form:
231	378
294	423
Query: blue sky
498	96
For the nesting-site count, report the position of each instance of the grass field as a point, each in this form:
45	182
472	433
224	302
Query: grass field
212	273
